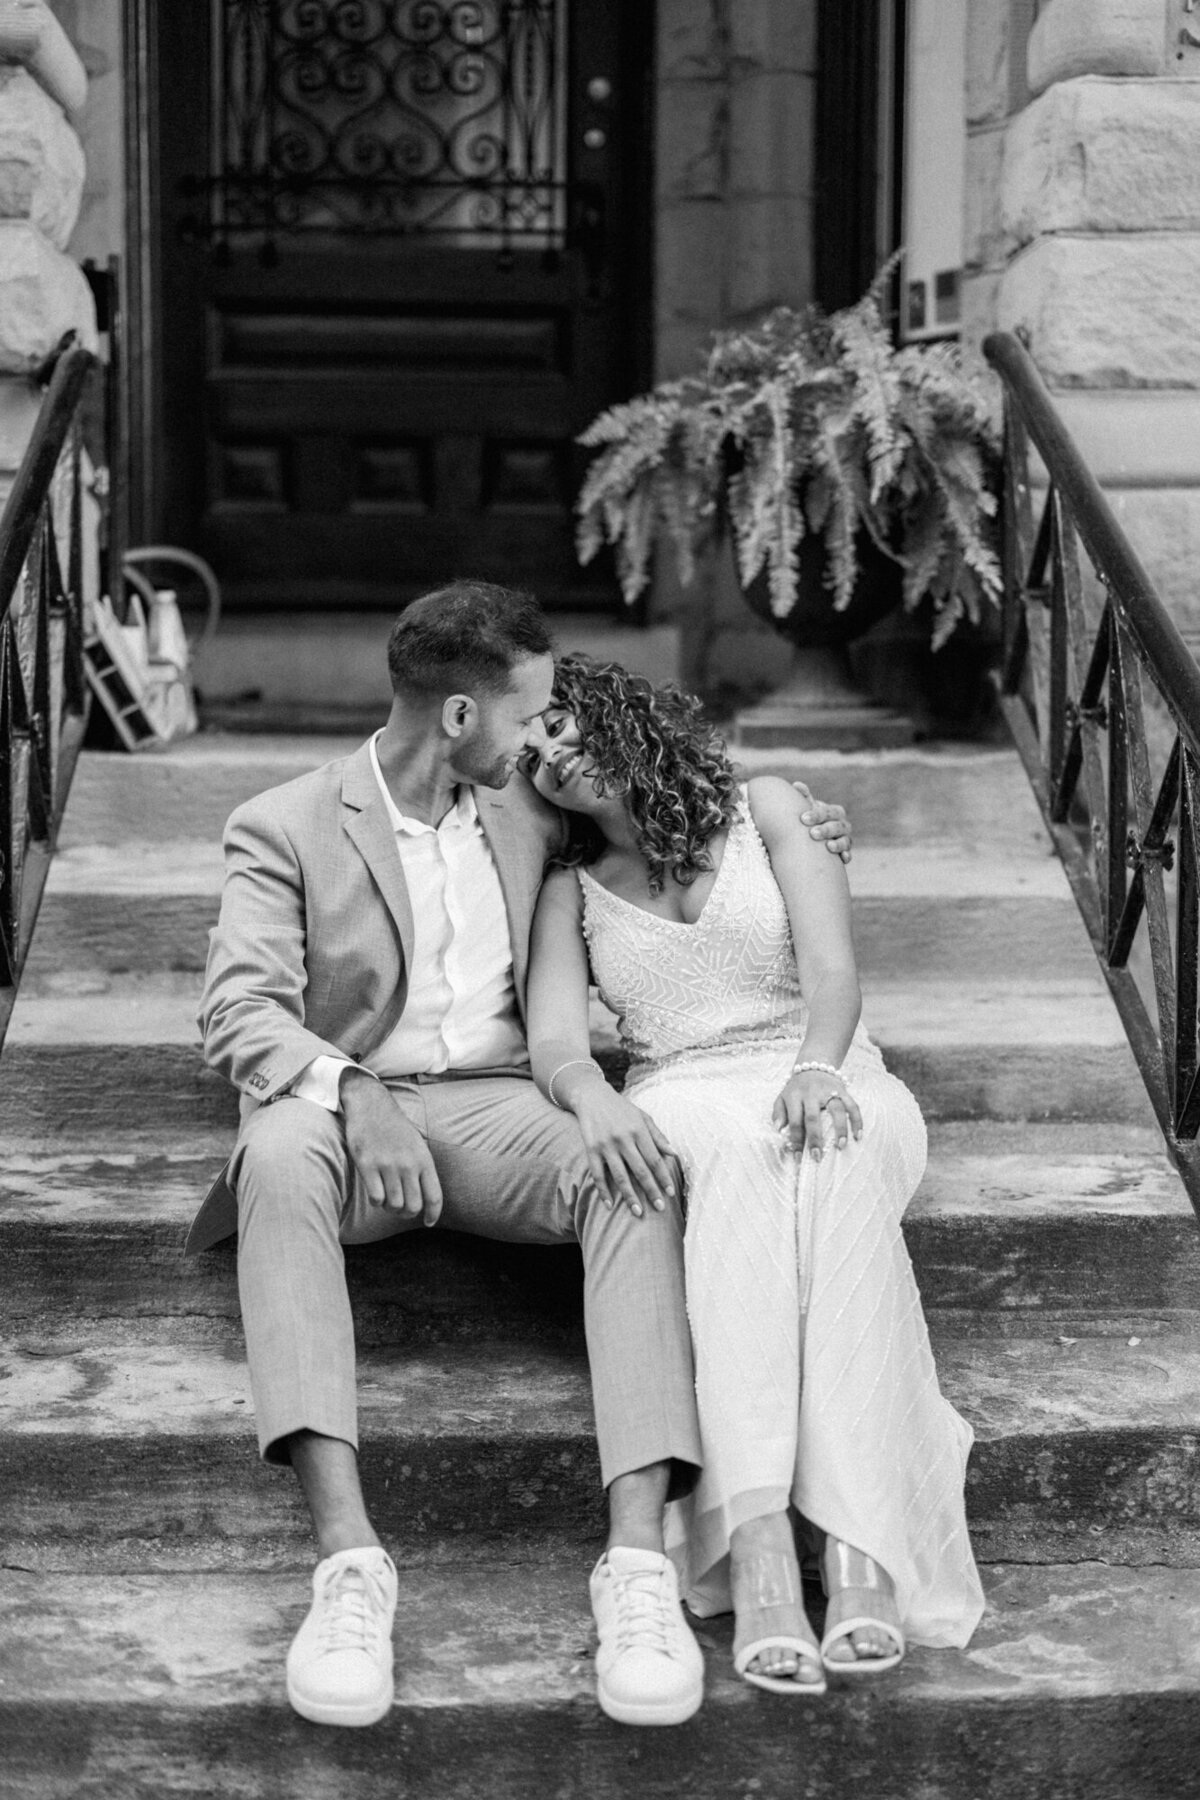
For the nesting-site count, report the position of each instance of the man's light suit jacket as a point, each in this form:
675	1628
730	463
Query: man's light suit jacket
309	957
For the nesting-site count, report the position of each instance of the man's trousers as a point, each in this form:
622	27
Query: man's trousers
511	1166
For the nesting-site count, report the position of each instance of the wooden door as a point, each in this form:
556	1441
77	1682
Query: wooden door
401	250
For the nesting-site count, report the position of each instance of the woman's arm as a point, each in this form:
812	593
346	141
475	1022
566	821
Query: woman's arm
817	896
626	1151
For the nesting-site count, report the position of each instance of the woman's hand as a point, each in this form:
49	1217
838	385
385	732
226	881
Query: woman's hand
804	1104
626	1151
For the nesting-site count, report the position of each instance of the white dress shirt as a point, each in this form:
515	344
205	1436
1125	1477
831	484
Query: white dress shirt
461	1007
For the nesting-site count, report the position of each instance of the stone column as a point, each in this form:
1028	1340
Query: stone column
736	109
42	291
1096	228
995	49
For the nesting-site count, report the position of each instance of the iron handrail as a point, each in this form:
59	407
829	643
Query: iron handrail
1071	685
43	687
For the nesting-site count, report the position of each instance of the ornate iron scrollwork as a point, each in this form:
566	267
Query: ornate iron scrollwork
383	117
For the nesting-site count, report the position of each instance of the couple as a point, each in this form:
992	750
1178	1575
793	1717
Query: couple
388	971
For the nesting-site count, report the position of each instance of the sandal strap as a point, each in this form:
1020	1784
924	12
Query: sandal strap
769	1578
842	1566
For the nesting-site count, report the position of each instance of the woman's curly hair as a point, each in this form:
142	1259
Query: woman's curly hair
652	746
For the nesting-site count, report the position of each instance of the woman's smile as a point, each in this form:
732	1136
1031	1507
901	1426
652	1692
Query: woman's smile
566	767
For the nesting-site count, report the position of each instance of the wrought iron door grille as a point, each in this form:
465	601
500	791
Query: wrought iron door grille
385	117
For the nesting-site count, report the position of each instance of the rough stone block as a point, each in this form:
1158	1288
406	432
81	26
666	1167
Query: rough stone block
691	42
41	159
690	263
980	305
769	256
692	140
1163	525
771	133
1104	156
680	348
97	30
30	34
19	402
983	239
988	34
1097	37
1108	312
768	35
42	295
1144	437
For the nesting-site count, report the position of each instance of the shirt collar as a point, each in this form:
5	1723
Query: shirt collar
463	813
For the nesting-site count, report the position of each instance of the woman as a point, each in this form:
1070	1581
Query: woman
720	933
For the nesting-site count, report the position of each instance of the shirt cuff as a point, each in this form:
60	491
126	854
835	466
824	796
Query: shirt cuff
319	1081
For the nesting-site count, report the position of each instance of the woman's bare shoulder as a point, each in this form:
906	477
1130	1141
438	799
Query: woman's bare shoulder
775	806
561	888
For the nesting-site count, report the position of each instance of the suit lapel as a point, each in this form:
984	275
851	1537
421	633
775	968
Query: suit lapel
510	853
370	828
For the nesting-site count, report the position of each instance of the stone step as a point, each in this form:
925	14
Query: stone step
85	935
1084	1446
1081	1683
908	798
153	870
1051	1049
1010	1220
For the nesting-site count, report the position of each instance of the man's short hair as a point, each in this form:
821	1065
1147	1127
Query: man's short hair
465	638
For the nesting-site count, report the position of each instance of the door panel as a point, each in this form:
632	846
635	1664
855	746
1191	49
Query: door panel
397	278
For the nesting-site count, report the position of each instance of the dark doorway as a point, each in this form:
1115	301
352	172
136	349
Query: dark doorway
400	251
860	89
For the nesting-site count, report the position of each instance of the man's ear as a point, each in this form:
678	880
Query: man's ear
460	715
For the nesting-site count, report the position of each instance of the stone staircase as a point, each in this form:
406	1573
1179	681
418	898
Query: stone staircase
153	1570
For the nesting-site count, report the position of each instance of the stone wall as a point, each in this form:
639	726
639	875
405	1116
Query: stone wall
733	223
95	32
1085	233
734	144
43	87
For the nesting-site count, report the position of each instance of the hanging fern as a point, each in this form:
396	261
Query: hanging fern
806	423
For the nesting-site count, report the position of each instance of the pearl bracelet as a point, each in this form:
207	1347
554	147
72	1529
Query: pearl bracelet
825	1068
574	1062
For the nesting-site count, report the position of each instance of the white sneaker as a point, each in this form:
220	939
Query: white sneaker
649	1667
339	1668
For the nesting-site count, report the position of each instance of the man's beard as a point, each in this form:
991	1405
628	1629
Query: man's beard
482	765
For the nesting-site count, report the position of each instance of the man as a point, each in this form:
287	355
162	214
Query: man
364	993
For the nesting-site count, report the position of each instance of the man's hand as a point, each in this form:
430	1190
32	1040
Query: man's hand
626	1151
827	822
388	1151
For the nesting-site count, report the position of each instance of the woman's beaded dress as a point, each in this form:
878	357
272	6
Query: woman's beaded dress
814	1377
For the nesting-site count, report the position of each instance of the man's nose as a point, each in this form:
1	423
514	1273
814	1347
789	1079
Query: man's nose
535	736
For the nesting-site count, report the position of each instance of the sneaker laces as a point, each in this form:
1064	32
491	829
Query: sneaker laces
353	1611
644	1612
